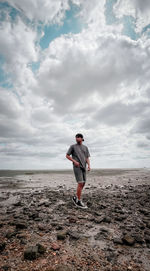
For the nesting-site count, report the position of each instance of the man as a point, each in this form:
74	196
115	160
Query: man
80	157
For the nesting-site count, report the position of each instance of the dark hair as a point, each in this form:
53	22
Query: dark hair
80	135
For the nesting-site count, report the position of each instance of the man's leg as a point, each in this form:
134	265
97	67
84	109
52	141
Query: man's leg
79	189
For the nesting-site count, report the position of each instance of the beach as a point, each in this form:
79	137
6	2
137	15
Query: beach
41	228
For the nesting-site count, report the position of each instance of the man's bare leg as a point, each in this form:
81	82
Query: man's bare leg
79	189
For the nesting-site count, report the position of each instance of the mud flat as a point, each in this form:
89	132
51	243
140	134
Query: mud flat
41	229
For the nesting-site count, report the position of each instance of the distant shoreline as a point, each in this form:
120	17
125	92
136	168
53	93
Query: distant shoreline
14	172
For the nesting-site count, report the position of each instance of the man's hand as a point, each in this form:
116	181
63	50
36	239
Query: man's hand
88	162
89	168
77	164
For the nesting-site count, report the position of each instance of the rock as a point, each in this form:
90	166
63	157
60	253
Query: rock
42	227
59	227
144	211
55	246
54	224
128	240
21	225
41	248
98	220
101	234
72	220
139	239
147	239
18	203
120	217
148	224
33	215
43	202
61	235
23	241
107	219
9	234
63	267
2	246
31	253
117	240
21	235
6	267
73	235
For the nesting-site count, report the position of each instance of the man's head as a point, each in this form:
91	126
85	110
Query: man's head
79	138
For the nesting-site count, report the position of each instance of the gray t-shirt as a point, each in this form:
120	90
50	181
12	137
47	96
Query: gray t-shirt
79	153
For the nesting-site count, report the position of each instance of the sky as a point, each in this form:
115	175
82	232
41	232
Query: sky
74	66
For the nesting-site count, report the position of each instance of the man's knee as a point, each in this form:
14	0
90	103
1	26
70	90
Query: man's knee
81	184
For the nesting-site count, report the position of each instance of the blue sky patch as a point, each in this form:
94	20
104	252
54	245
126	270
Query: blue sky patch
71	24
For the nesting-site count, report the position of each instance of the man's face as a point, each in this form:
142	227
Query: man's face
79	139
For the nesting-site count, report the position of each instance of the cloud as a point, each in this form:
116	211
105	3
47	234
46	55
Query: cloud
91	70
95	82
142	126
118	113
138	9
43	11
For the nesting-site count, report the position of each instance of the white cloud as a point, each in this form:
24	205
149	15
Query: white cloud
44	11
136	8
95	82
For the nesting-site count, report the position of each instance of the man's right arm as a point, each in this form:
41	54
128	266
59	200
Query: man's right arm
69	152
70	158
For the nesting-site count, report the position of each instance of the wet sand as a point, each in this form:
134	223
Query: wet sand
112	234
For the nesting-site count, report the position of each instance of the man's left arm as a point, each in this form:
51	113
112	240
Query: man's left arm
88	160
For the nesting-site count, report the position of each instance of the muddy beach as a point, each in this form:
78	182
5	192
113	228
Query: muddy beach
41	229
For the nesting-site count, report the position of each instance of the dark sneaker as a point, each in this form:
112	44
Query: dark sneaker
81	204
75	200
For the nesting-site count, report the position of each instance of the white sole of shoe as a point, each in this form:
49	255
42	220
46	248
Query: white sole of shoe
74	202
85	207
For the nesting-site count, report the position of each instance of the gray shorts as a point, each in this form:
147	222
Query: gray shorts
80	174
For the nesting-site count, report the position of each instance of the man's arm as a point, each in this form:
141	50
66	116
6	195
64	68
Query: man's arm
71	159
87	159
88	162
69	152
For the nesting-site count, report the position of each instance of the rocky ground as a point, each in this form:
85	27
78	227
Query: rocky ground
41	229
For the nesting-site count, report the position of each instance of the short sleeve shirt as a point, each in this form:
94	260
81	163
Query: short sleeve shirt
79	153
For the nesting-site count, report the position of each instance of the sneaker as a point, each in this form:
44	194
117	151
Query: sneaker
81	204
75	200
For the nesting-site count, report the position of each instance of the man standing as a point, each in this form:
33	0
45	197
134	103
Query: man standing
80	157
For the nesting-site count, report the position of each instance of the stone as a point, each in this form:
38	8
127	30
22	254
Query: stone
59	227
147	239
117	240
61	235
9	234
55	246
74	235
107	219
2	246
33	215
41	248
6	267
31	253
42	226
18	203
139	239
63	267
128	240
72	220
120	217
21	225
98	220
